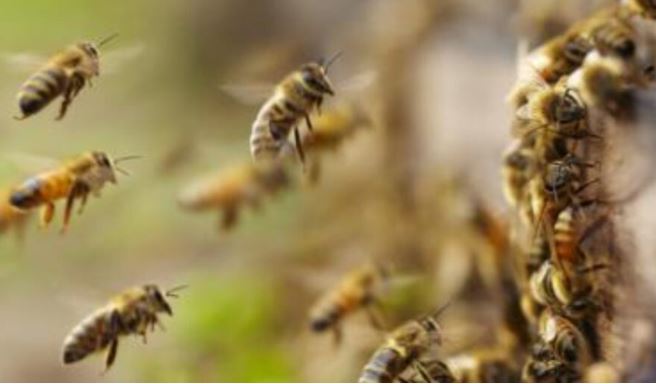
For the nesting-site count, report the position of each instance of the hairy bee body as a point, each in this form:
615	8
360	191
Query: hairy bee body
230	189
77	178
134	311
402	348
566	340
357	290
65	74
292	101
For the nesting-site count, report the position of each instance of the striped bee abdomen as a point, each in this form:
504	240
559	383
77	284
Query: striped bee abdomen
40	89
384	367
95	333
28	195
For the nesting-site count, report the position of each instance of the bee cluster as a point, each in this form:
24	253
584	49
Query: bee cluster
570	91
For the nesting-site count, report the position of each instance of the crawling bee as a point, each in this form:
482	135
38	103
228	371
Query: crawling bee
544	367
11	216
75	179
403	348
566	340
480	366
573	292
233	187
358	290
519	165
293	100
66	74
132	312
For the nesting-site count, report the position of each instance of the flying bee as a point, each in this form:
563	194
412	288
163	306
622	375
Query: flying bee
293	100
66	73
402	349
357	290
132	312
233	187
75	179
566	340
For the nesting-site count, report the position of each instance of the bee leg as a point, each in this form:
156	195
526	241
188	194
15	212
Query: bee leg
308	122
422	371
111	354
229	219
375	316
299	146
47	213
83	202
337	335
66	102
70	201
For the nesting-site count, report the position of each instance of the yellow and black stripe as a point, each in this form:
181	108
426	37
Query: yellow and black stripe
40	89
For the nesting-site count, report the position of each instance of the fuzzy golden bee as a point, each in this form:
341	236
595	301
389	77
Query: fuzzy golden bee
132	312
567	341
357	290
544	367
244	184
403	349
293	100
75	179
66	73
480	366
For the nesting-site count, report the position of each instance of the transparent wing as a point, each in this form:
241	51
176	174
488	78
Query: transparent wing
358	82
248	94
22	61
112	61
29	164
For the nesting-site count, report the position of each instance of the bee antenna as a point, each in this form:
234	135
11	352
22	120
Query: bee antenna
172	292
125	158
327	63
121	170
107	39
436	314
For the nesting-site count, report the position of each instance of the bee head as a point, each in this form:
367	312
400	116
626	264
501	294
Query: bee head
648	7
315	79
157	300
105	166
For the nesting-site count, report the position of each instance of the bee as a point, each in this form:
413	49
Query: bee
332	127
357	290
65	74
402	349
566	340
647	8
132	312
75	179
293	100
519	165
233	187
542	366
490	365
606	81
11	216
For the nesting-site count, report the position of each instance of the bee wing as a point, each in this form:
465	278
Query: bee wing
251	94
23	61
112	61
358	82
30	164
